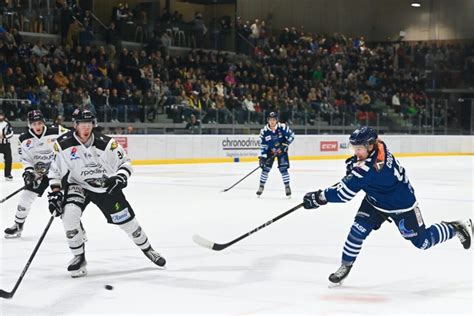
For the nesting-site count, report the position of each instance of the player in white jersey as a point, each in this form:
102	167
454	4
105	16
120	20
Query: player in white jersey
97	169
36	153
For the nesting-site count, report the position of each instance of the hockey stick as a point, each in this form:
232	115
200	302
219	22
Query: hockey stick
12	194
215	246
5	294
268	159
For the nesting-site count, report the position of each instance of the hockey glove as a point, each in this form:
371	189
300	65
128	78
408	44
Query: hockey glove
313	200
284	147
117	182
350	162
29	178
55	200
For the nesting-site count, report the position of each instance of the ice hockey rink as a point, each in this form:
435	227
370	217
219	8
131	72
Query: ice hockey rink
282	269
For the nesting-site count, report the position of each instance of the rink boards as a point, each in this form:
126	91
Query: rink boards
170	149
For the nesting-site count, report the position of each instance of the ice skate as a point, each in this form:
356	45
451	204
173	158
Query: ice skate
338	277
463	231
288	191
260	190
155	257
14	231
77	266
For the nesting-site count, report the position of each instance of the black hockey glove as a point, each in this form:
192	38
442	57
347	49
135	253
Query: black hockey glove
312	200
55	200
117	182
29	178
350	162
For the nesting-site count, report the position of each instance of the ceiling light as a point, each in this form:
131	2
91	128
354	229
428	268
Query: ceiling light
416	4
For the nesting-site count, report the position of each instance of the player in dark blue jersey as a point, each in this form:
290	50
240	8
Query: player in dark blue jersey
389	196
275	138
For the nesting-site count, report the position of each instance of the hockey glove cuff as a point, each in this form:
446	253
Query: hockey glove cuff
29	178
313	200
117	182
55	201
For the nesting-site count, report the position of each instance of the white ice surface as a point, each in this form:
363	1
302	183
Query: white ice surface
282	269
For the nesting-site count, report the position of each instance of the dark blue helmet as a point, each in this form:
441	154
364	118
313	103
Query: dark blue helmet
363	136
35	116
272	115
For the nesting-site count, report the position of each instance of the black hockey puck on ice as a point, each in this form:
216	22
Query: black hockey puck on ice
109	287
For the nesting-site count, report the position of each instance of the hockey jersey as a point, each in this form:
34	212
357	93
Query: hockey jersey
383	180
271	141
37	153
88	166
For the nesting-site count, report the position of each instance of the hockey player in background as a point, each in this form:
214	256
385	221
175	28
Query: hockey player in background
389	195
6	133
275	138
36	153
97	169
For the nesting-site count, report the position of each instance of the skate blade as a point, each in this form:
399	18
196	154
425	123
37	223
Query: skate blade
14	236
332	285
79	273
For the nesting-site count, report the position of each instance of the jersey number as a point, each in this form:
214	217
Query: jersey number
400	172
119	154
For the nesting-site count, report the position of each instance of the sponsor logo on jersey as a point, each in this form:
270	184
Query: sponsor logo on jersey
121	216
93	172
267	138
28	143
56	147
95	182
74	153
44	157
114	145
328	145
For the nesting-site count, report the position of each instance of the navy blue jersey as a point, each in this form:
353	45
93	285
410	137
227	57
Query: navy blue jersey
383	180
271	141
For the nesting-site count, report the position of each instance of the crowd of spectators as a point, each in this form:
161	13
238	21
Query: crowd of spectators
305	77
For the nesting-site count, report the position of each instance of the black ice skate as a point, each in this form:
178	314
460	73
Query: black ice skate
288	190
260	190
155	257
463	231
77	266
14	231
338	277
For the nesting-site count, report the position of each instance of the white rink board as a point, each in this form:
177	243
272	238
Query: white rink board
169	147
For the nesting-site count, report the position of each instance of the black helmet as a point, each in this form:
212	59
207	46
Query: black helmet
83	116
35	116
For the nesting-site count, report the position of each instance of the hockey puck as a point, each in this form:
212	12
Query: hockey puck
109	287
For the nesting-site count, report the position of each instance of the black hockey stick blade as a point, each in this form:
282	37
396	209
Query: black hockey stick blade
5	294
215	246
12	194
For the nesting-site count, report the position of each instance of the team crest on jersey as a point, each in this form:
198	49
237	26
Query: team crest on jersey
28	143
74	153
114	145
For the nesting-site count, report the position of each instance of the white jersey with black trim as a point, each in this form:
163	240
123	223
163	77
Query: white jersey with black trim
88	166
36	152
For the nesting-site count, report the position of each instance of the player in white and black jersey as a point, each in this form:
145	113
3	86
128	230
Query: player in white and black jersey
36	153
97	170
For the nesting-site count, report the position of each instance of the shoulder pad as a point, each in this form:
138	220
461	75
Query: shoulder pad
51	131
67	140
101	141
25	136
